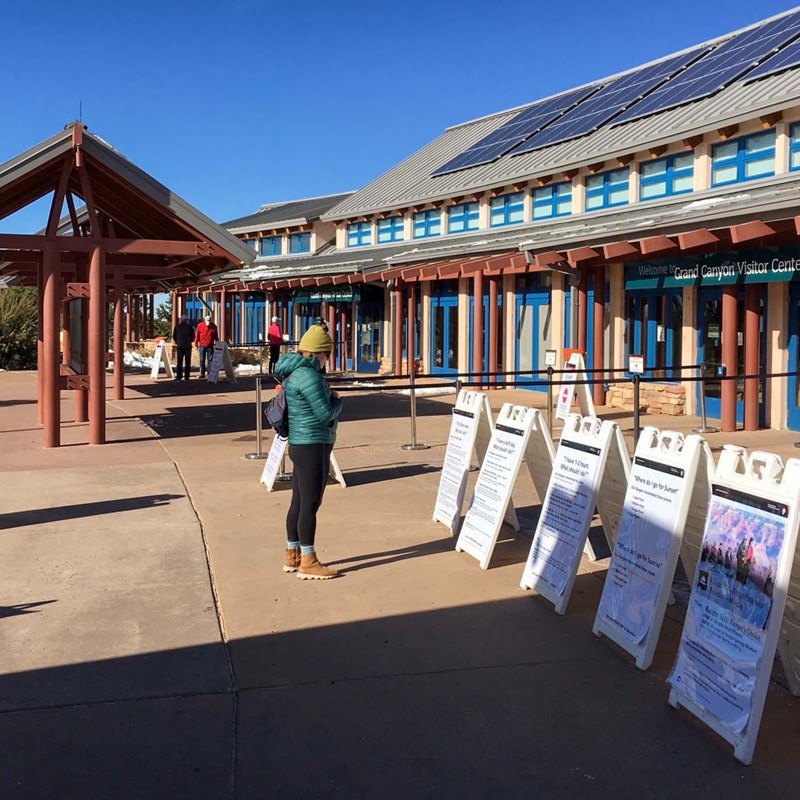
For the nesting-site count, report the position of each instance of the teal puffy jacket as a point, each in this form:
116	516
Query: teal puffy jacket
313	410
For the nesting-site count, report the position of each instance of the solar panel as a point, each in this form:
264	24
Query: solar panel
719	68
529	121
783	59
610	100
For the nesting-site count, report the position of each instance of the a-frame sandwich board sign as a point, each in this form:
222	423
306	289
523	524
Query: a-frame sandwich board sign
568	508
161	359
575	371
470	430
221	360
648	541
735	611
496	479
272	465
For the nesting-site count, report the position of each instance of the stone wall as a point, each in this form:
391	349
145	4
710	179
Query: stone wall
654	398
386	366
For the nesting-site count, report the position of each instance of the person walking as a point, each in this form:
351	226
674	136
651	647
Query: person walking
183	336
313	418
275	340
204	337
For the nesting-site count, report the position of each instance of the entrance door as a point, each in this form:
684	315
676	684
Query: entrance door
793	384
444	342
485	334
368	345
532	324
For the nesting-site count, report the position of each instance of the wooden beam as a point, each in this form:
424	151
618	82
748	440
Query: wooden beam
702	237
655	152
692	141
338	280
617	250
596	167
748	231
78	244
656	244
623	161
579	255
728	131
569	174
768	120
58	196
543	180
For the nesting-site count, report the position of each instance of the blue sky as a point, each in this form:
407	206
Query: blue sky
232	104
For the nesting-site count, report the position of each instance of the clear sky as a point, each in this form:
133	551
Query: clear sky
233	104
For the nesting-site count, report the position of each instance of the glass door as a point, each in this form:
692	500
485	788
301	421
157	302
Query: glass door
533	329
370	322
444	342
793	384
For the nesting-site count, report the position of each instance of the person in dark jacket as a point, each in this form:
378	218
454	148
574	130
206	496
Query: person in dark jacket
183	336
313	418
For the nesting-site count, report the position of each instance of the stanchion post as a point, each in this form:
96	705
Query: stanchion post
636	384
413	445
704	427
259	454
549	398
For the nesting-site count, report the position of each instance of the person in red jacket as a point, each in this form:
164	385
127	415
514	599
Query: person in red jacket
205	335
275	340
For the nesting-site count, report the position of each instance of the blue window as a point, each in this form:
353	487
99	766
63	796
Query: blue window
299	242
427	223
462	217
250	243
508	209
794	146
666	176
270	246
390	229
552	201
359	234
743	159
607	189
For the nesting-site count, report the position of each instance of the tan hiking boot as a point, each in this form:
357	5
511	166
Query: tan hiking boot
292	560
312	570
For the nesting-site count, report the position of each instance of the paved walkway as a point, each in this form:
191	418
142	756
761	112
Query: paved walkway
151	647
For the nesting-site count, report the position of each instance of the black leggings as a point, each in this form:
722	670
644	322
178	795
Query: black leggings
310	468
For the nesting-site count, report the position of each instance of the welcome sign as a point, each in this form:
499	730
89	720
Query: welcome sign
756	266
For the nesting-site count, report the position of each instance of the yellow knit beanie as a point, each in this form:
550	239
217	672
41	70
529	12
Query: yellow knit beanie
316	340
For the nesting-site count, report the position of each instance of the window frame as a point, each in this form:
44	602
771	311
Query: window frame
605	190
743	158
512	202
667	177
359	234
424	222
395	230
550	201
468	212
794	145
303	237
272	240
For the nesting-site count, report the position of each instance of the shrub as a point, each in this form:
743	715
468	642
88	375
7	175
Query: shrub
19	326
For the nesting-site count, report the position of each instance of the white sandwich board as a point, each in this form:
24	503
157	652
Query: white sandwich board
648	541
498	473
470	430
733	621
568	508
272	465
221	359
576	371
161	359
698	508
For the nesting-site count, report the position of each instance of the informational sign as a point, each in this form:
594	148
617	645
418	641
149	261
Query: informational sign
498	473
221	359
550	358
275	458
613	485
568	509
471	411
636	364
576	370
161	359
647	544
733	621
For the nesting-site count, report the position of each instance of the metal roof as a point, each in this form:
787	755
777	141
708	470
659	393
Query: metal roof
286	214
410	182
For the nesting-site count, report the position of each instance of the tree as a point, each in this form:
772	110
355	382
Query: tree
164	318
19	326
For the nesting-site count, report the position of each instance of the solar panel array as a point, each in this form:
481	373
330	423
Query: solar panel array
529	121
783	59
609	101
719	68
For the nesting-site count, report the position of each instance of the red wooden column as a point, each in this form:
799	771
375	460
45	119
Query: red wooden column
332	330
477	324
40	343
411	316
151	317
598	332
730	338
397	329
66	335
223	315
343	336
752	294
493	327
175	314
50	366
97	347
119	341
582	295
128	317
285	319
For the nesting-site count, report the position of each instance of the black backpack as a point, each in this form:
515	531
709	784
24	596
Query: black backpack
276	413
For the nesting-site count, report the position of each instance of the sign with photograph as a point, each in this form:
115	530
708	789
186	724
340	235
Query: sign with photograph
575	370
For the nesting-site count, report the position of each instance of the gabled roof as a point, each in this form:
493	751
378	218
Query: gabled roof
286	214
411	182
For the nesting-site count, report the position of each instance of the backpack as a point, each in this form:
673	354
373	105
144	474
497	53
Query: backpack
276	413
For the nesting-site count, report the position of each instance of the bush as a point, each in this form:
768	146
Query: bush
19	325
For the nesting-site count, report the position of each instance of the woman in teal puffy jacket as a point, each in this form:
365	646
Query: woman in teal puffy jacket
313	417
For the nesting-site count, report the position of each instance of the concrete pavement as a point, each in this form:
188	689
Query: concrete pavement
150	645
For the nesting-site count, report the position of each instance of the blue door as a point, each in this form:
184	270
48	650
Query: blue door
532	326
793	384
254	317
369	332
444	341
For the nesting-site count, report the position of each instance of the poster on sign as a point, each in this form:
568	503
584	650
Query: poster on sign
470	413
648	540
221	360
568	508
498	473
575	370
738	596
161	359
